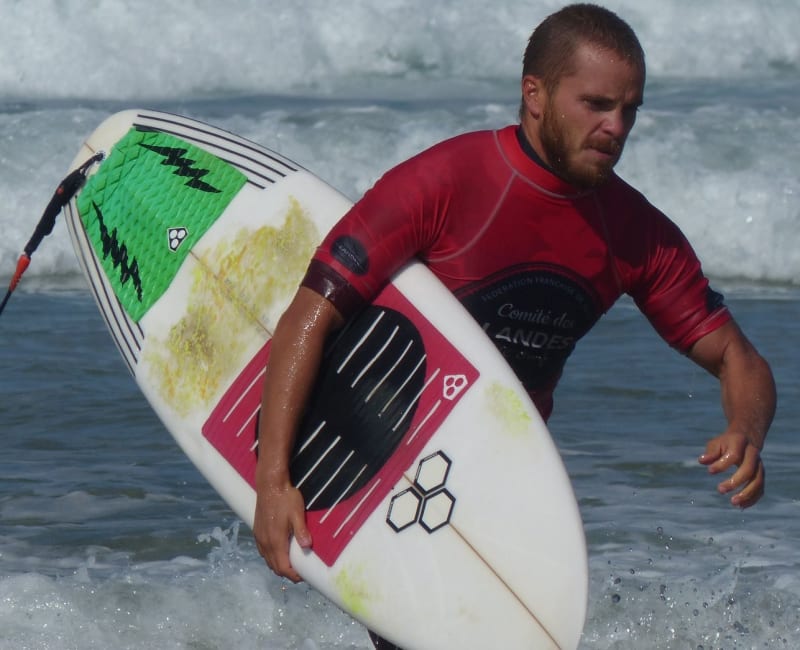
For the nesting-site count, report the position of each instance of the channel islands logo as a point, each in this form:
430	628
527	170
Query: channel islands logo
175	237
427	502
453	386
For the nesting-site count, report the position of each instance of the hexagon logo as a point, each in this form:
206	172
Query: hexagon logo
436	510
426	502
404	509
432	472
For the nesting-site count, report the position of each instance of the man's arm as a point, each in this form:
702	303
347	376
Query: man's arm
748	400
295	357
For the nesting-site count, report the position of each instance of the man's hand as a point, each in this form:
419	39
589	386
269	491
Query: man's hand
748	399
280	515
735	449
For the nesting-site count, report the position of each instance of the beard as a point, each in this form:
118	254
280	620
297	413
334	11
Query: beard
561	154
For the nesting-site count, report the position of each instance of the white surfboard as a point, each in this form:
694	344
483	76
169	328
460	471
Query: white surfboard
440	509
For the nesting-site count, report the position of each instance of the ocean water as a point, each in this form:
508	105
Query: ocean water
110	538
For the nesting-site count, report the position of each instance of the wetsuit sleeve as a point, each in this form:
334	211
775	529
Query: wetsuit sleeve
393	223
672	290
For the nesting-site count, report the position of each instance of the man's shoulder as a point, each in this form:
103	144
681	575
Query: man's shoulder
618	189
469	139
458	154
633	221
620	199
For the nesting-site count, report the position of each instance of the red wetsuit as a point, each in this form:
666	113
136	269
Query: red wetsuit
535	261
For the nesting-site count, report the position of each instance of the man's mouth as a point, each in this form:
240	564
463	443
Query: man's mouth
607	148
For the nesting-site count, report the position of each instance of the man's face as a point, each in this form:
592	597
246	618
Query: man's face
586	119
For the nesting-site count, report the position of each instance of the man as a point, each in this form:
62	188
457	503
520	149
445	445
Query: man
526	218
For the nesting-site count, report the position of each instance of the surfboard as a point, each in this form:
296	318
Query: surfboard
441	511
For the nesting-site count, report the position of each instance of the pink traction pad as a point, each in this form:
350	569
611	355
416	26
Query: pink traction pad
231	428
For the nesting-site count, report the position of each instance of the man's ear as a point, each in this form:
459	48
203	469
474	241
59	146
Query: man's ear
533	95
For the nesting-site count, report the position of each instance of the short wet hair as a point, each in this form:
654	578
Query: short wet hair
549	54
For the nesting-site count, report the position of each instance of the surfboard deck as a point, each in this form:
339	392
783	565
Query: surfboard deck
441	512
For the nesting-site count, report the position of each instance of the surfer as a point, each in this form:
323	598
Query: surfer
530	216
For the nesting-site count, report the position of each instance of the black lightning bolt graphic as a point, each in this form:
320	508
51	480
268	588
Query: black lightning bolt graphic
112	247
185	166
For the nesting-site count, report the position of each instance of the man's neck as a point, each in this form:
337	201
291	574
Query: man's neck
527	147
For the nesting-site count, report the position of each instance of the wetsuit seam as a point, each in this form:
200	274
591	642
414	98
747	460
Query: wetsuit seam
478	235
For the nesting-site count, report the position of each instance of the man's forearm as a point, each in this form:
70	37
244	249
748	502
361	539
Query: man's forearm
295	357
748	390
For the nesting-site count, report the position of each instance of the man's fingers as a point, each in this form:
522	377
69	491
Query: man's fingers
301	533
724	453
752	492
723	462
747	468
276	555
279	516
750	477
281	565
719	457
712	453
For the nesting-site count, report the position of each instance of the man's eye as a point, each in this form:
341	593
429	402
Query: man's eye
598	104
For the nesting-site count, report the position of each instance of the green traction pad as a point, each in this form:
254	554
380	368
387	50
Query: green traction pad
149	203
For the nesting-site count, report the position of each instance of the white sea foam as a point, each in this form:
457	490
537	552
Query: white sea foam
174	48
350	89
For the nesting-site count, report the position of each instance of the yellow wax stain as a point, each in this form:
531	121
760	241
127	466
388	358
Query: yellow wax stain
354	591
202	350
264	267
507	406
238	279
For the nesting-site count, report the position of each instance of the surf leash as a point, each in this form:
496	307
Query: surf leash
63	194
